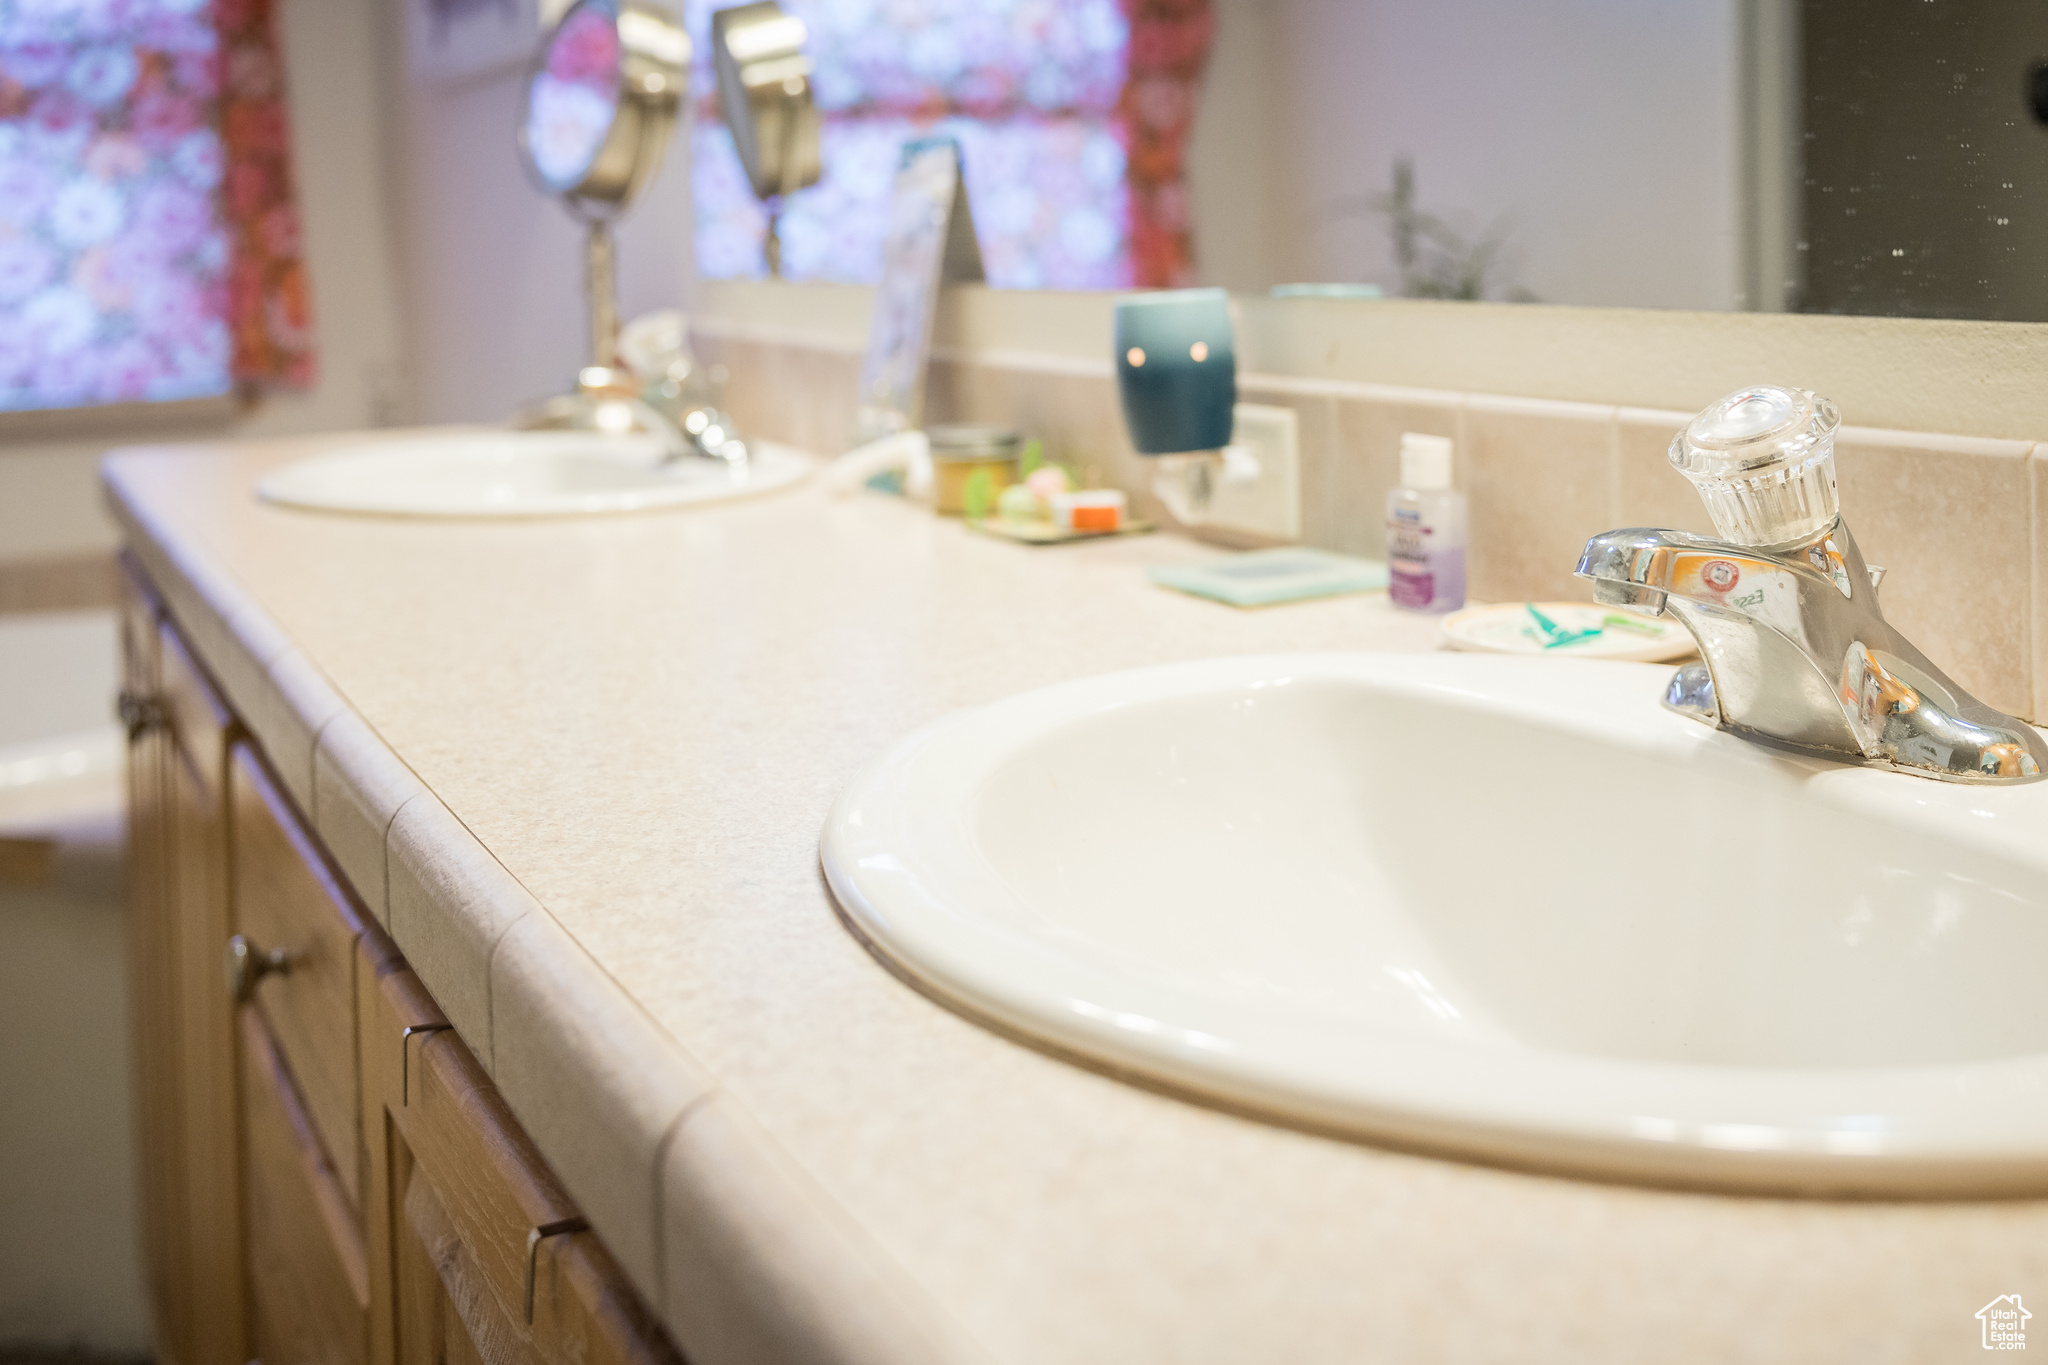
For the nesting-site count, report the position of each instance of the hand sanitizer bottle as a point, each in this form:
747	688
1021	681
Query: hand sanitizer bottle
1426	529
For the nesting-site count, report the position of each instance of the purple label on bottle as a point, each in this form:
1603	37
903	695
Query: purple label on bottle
1410	584
1433	582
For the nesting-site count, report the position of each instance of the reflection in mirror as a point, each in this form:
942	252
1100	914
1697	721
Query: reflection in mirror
1839	156
1843	156
600	101
1043	99
1587	153
764	92
573	99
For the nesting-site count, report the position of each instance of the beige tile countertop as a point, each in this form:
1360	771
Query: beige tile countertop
580	769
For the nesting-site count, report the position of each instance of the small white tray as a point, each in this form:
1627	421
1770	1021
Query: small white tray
1509	628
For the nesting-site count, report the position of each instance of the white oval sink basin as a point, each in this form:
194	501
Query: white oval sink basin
1509	908
521	474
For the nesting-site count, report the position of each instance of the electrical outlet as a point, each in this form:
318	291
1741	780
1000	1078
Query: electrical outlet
1263	499
1252	486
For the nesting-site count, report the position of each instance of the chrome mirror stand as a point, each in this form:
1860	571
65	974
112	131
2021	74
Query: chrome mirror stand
764	92
601	102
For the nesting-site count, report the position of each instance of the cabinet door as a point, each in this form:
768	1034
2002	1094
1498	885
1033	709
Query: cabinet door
484	1252
195	764
288	901
308	1282
444	1309
182	1018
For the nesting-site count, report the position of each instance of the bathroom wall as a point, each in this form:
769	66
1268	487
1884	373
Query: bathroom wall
1551	451
1605	133
49	499
1973	378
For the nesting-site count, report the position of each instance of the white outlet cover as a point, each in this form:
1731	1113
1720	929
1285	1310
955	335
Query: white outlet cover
1270	504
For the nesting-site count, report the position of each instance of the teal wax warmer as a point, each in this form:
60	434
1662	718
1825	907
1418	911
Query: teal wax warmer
1176	369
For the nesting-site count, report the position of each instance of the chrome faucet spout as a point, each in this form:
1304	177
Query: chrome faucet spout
1795	651
1794	647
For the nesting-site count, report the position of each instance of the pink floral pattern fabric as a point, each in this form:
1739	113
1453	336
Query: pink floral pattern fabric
1170	42
128	128
1057	105
1047	194
269	299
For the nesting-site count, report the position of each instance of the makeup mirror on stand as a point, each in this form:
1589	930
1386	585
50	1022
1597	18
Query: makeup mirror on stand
600	104
764	91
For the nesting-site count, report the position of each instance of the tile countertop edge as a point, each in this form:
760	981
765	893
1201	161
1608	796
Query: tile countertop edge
893	1317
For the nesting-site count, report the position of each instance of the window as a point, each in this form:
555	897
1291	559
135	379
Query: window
1071	115
148	237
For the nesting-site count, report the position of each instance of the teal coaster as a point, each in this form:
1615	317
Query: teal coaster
1328	291
1260	578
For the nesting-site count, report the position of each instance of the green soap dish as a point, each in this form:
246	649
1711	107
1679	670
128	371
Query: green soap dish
1262	578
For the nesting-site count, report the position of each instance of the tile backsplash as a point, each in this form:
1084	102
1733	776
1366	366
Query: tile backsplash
1955	519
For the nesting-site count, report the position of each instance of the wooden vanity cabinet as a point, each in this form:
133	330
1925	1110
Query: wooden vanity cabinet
309	1287
485	1254
298	925
328	1176
182	1022
291	908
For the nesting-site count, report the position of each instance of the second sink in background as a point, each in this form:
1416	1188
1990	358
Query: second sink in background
471	473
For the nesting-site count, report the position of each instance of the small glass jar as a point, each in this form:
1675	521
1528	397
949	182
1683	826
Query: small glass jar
963	455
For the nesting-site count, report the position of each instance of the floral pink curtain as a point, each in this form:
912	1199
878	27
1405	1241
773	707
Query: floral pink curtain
269	300
149	243
1169	49
1072	116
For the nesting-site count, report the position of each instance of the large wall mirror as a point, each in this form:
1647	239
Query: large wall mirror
1849	156
1840	156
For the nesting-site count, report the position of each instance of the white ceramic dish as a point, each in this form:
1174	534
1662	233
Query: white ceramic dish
1503	907
1508	628
521	474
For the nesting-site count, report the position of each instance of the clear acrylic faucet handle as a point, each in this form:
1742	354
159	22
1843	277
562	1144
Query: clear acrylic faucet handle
1763	460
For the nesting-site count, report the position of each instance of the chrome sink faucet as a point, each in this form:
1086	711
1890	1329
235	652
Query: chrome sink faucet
1795	650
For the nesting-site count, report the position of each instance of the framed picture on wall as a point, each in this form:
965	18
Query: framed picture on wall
455	40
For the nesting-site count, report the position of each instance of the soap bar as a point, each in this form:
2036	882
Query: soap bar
1260	578
1093	509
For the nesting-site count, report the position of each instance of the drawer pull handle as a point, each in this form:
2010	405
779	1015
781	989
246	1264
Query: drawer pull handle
248	964
139	714
533	1241
405	1058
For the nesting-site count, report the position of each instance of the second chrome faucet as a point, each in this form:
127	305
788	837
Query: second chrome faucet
1794	647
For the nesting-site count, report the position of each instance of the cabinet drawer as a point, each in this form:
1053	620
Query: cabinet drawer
288	901
482	1168
309	1285
475	1210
